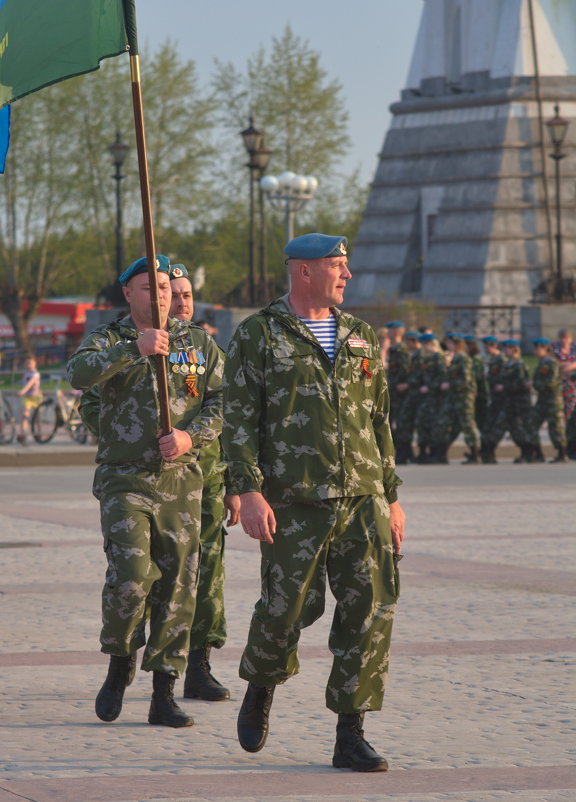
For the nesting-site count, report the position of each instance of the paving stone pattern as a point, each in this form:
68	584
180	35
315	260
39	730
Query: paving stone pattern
480	702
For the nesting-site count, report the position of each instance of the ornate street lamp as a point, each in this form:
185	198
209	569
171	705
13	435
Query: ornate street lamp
557	128
118	150
258	158
289	192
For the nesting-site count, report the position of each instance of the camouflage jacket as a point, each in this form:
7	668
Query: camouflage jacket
297	427
461	374
547	379
495	371
514	378
398	365
478	370
129	410
414	377
432	371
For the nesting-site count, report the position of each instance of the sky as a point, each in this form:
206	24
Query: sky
366	45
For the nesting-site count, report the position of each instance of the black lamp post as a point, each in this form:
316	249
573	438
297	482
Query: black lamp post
258	157
557	128
118	150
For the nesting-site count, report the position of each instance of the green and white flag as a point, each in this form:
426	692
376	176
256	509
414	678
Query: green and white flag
46	41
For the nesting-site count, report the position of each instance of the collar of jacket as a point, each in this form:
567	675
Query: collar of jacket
281	310
176	328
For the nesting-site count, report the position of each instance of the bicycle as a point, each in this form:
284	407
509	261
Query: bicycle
59	411
7	422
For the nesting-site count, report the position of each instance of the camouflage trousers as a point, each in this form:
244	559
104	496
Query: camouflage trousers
151	526
428	431
406	420
551	411
348	541
209	625
457	415
514	416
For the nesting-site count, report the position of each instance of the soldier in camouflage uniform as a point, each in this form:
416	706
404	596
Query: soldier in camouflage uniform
209	625
397	371
549	407
494	371
309	450
431	376
457	412
149	485
479	371
515	413
406	421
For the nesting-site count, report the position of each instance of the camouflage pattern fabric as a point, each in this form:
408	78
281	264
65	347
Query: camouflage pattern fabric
482	395
397	373
150	522
494	414
209	624
348	541
149	508
298	428
129	410
458	406
406	419
549	406
314	438
433	372
515	414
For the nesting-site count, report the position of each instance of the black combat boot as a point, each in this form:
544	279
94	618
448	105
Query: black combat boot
120	674
199	682
525	454
472	458
562	456
253	717
163	708
351	750
401	457
537	455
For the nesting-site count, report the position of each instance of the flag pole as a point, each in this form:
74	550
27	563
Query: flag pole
161	372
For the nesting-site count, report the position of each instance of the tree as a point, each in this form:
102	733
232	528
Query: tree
290	96
56	197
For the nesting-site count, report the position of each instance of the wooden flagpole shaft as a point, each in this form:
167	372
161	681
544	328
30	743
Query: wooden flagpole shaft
161	372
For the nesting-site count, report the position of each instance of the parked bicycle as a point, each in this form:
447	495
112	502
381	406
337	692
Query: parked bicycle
7	422
61	410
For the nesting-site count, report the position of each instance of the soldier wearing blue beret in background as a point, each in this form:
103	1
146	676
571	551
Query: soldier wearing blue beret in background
149	485
549	406
309	451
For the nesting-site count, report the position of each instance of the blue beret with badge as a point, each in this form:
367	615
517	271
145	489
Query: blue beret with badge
316	246
541	341
177	271
141	266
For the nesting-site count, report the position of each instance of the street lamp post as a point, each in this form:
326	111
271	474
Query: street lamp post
289	192
258	158
118	150
557	128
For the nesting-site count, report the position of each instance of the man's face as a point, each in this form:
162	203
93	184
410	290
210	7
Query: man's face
327	281
137	294
182	305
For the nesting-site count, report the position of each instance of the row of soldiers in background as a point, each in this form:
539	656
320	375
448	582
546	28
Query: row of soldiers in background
440	392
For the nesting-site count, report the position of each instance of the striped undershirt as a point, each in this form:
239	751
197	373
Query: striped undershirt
325	332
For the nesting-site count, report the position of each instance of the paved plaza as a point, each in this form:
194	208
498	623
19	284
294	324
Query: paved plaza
480	702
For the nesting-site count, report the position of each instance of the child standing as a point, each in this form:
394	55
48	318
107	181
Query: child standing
31	396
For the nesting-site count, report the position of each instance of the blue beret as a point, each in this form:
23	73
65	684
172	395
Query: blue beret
315	246
141	266
395	324
427	337
177	271
412	335
490	338
541	341
511	342
470	338
454	335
